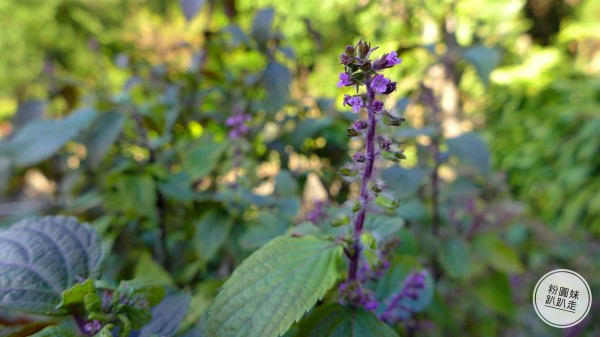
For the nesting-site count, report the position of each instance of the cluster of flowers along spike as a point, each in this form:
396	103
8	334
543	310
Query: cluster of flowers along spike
397	310
363	72
238	123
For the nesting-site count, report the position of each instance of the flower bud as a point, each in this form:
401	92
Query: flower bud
359	157
388	119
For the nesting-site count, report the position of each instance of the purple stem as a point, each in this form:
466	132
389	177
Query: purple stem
81	324
366	178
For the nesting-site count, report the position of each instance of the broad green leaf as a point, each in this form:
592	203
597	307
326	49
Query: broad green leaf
494	291
101	135
40	139
334	320
56	331
455	258
484	59
29	111
211	233
136	194
277	83
42	257
25	330
166	316
274	287
497	253
470	150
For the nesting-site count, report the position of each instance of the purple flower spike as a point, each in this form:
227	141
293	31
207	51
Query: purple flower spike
344	80
392	59
380	83
360	125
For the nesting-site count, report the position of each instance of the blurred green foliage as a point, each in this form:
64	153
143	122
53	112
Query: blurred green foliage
142	151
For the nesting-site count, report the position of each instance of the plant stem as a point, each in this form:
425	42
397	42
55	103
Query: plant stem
366	178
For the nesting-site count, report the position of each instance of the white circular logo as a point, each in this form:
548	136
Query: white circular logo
562	298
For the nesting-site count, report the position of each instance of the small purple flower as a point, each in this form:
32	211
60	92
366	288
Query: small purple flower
390	87
360	125
359	157
385	144
397	310
355	102
92	327
392	59
379	83
344	80
378	105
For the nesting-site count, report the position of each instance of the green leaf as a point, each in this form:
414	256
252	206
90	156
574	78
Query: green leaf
166	316
497	253
148	268
101	135
150	289
191	8
455	258
495	292
56	331
212	231
285	184
40	139
484	59
76	293
382	226
42	257
200	159
274	287
334	320
403	182
264	229
277	84
261	27
470	150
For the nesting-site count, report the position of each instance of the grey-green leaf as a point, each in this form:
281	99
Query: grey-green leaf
211	232
167	316
41	257
277	84
40	139
274	287
484	59
470	149
456	258
56	331
334	320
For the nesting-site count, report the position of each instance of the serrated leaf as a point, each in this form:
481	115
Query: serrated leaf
40	139
166	316
148	268
334	320
497	253
274	287
277	84
41	257
56	331
200	159
470	150
455	258
211	233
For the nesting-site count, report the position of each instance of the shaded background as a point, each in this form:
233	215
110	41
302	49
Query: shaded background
510	148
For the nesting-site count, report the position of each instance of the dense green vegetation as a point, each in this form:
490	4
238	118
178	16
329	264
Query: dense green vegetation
119	113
